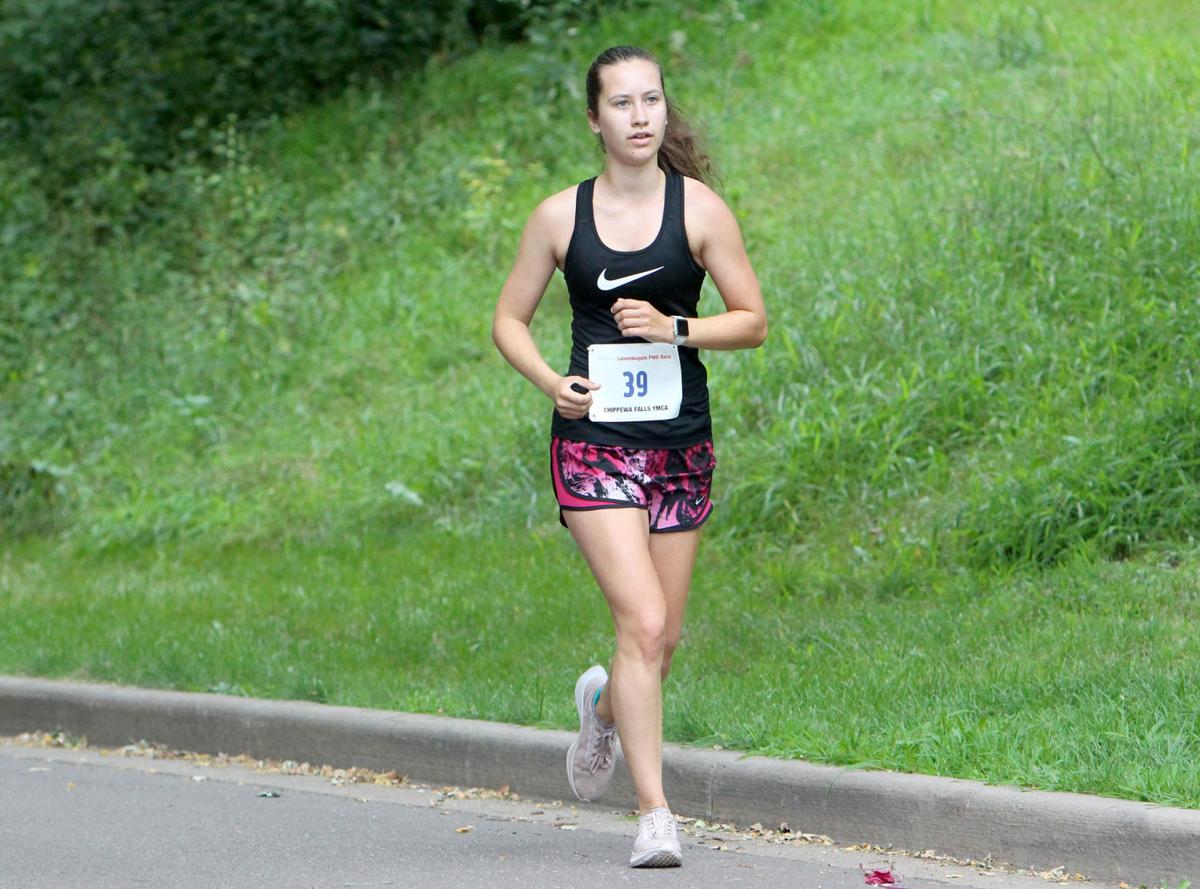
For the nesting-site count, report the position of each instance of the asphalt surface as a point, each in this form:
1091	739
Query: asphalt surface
98	819
1112	841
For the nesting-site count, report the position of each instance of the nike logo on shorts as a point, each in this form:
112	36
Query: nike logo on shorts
605	284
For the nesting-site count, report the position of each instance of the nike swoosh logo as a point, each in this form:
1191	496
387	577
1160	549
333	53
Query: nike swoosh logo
605	284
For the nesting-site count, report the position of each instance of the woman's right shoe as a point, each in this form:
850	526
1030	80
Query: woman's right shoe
657	843
591	759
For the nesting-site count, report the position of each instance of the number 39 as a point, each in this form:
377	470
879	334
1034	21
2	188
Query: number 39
639	383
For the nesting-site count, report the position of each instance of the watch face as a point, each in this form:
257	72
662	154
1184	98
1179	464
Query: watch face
681	327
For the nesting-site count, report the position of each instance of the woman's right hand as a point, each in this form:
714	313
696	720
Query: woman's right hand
569	401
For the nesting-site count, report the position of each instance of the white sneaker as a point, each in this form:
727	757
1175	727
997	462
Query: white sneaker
591	759
657	843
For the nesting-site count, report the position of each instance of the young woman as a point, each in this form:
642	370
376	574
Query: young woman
631	452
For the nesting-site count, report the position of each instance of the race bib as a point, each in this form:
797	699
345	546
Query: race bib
638	381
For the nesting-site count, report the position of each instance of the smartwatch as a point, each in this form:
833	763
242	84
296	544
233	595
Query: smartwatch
681	330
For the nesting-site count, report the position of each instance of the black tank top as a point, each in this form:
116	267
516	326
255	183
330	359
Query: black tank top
665	275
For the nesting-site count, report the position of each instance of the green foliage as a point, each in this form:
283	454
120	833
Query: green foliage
1117	492
966	289
30	495
140	76
94	94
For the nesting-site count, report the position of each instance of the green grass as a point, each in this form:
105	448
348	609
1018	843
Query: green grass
263	445
831	663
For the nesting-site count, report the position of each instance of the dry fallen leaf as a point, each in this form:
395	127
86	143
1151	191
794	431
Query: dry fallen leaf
467	829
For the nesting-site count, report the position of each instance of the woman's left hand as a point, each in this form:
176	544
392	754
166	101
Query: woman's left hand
636	317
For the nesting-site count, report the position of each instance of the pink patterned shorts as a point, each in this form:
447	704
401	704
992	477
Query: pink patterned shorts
671	484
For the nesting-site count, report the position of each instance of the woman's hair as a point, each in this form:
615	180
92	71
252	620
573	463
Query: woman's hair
681	149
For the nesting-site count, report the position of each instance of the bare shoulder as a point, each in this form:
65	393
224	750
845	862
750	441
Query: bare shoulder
705	212
700	195
556	211
553	221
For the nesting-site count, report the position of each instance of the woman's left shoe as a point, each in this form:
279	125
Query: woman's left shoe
591	760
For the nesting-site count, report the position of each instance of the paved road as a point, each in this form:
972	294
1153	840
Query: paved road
86	818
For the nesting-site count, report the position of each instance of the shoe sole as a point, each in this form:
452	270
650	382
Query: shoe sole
580	702
658	858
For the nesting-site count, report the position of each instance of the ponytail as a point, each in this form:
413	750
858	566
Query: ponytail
682	150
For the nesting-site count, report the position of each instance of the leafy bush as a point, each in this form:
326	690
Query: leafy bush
88	86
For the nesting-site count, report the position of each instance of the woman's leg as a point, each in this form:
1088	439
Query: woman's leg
616	544
674	556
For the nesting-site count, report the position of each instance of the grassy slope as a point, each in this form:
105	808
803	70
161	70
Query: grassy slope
976	230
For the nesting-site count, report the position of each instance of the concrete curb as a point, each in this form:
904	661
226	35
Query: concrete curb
1106	839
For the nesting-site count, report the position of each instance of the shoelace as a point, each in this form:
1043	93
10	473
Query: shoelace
600	754
661	824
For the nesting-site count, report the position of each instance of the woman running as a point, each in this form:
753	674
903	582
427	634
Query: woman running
631	453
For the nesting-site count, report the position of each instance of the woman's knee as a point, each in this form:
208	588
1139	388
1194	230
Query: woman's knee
644	634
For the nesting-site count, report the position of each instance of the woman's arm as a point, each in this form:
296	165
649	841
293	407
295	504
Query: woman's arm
519	298
716	240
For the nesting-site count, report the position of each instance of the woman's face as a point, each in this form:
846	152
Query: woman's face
631	113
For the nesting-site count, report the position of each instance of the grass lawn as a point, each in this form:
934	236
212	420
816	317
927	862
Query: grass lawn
1081	681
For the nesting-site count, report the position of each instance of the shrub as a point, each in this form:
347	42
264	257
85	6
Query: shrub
86	84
